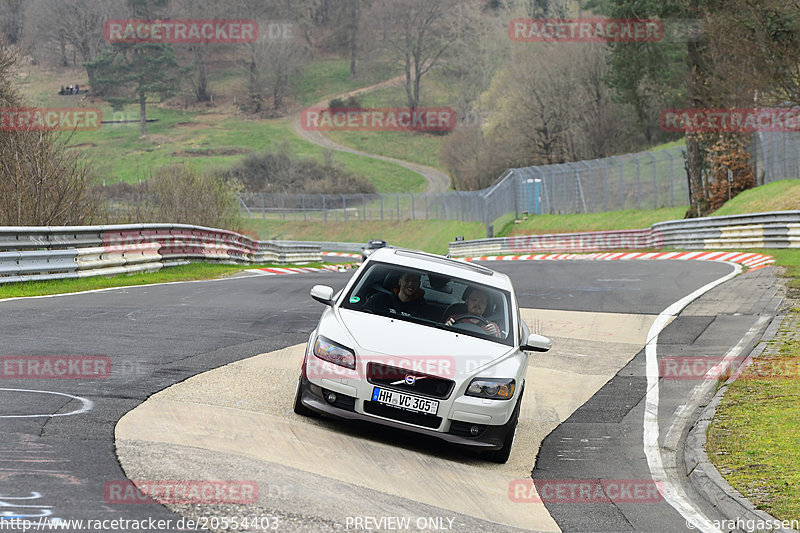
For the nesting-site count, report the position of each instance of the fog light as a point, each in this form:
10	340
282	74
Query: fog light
330	397
474	430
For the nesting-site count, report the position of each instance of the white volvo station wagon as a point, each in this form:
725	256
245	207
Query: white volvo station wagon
423	343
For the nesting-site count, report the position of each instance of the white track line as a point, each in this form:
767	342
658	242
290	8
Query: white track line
669	487
85	408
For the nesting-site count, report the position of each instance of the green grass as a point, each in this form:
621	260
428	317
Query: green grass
776	196
429	235
421	148
326	78
415	147
613	220
191	272
753	438
207	141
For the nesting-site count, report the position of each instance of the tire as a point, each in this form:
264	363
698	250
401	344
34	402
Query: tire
501	456
299	408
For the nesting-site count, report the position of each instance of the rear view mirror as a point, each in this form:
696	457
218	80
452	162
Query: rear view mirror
322	294
536	343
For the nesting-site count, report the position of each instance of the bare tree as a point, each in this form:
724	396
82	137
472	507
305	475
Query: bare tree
480	38
546	107
42	182
273	64
75	26
417	34
12	18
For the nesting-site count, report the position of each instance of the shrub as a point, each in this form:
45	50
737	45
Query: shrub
42	182
279	172
176	194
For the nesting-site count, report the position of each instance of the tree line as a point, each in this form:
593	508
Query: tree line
519	104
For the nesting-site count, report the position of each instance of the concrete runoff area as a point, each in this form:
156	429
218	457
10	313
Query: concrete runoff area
242	412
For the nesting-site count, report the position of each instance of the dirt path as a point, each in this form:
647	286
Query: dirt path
437	180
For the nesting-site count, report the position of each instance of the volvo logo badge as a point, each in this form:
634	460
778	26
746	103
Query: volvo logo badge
410	380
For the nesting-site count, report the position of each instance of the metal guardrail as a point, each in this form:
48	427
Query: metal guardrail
43	253
332	246
780	229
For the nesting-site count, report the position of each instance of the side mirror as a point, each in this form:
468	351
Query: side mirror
323	294
536	343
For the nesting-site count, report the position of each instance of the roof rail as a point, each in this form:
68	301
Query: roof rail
415	254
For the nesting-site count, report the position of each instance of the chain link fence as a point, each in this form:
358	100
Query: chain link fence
635	181
776	156
645	180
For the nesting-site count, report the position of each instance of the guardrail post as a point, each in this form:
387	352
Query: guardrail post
638	184
604	177
621	181
397	196
344	207
324	209
303	203
381	207
427	216
655	179
413	213
671	178
363	207
263	207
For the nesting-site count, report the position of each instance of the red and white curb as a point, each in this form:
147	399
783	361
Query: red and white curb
751	260
276	271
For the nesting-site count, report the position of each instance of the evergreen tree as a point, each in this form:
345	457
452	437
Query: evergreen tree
131	73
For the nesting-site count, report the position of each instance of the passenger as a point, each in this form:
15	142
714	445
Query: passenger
406	298
476	300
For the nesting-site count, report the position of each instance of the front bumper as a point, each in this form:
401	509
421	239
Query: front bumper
313	397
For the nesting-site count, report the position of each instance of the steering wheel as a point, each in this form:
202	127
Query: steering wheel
483	321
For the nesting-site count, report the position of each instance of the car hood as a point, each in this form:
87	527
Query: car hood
383	335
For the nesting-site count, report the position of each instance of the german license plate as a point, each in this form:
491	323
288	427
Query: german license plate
405	401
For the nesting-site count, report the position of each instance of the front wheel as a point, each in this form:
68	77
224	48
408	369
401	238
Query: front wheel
501	456
299	408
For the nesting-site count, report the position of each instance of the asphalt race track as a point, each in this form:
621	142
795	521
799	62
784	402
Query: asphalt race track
58	452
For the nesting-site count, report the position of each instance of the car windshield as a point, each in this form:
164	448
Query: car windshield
434	300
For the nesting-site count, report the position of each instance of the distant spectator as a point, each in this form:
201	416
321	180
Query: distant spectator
77	90
63	90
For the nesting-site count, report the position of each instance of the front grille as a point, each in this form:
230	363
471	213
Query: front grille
395	377
395	413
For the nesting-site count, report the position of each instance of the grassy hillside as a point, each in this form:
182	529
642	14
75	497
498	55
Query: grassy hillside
776	196
211	137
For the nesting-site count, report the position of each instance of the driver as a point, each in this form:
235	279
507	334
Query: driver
476	300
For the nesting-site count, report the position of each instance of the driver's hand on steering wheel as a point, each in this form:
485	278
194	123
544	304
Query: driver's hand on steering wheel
450	321
492	329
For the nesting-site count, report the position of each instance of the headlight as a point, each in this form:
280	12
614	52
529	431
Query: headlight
334	353
492	388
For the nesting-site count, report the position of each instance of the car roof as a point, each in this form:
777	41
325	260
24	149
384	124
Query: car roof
442	265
